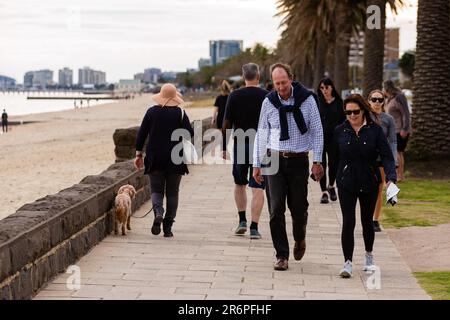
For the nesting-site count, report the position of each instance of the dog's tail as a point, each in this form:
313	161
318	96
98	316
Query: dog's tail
121	213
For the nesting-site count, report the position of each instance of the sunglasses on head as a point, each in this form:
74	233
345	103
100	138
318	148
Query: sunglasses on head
355	112
380	100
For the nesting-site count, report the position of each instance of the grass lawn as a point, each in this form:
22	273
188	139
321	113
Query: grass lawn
421	203
436	284
201	103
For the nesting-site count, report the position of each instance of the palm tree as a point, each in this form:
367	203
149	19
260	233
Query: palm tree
349	20
374	47
431	100
314	29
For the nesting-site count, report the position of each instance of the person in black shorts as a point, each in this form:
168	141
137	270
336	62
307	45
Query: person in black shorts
242	114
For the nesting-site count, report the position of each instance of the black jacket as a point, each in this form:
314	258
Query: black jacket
158	125
332	115
358	170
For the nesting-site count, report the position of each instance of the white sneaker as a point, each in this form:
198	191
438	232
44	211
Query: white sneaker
369	265
346	272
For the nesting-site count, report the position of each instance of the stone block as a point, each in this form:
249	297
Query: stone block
19	254
5	293
125	137
5	262
126	152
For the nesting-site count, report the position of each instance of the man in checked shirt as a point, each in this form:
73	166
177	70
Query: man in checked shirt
289	127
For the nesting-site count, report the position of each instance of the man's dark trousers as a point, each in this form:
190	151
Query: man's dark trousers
291	183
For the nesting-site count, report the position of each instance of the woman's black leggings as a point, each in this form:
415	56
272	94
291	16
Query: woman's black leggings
367	203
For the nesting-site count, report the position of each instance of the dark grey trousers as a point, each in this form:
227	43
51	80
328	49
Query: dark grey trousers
289	183
167	184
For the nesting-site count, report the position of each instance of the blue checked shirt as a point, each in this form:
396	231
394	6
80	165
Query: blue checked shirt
268	134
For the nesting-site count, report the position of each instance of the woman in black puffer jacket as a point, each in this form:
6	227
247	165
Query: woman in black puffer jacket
360	142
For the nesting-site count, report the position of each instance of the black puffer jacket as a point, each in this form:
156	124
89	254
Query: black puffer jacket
357	170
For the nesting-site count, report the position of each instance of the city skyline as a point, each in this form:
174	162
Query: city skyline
123	38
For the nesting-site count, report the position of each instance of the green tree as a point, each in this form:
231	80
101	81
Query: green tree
406	64
313	29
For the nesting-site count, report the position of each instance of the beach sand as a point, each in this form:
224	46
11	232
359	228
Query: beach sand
42	158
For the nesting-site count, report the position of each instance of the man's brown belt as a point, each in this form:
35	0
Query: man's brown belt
285	154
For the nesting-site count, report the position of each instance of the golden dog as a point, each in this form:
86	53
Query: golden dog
123	207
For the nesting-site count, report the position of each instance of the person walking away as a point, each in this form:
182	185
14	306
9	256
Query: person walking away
397	107
360	142
289	127
376	101
331	114
4	121
158	124
220	104
242	114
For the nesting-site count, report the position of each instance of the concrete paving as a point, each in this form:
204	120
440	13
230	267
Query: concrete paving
205	260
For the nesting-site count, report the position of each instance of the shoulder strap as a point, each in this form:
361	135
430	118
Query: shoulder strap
182	115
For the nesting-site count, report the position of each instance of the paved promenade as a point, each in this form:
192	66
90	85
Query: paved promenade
205	260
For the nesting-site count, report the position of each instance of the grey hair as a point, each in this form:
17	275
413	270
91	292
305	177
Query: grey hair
250	71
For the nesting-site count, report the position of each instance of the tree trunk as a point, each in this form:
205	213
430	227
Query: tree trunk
342	47
374	51
308	74
319	59
330	53
431	101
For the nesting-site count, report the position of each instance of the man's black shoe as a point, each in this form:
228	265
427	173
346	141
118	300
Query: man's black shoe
332	192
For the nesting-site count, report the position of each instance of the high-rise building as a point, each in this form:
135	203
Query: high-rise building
139	76
203	62
90	76
219	50
7	83
65	77
38	79
152	75
28	79
391	47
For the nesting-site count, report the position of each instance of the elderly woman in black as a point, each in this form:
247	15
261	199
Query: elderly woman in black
331	114
165	172
360	142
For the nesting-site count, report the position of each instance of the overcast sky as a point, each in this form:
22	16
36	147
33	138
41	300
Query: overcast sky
122	37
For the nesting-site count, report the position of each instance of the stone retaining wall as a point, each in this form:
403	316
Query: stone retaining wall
43	238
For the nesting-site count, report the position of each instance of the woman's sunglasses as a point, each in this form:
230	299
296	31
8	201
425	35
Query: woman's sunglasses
374	100
355	112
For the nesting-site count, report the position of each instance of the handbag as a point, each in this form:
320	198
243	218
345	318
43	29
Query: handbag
190	155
